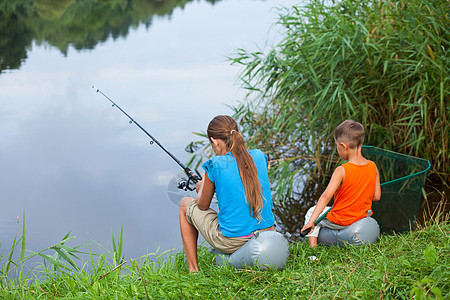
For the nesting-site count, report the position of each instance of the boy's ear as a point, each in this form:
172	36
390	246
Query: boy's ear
344	145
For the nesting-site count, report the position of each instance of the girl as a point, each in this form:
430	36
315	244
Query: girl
241	183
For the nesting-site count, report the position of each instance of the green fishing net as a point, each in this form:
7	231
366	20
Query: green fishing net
402	178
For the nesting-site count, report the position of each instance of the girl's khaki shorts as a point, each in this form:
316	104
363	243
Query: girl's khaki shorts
207	224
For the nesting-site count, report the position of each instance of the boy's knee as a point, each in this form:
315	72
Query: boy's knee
309	213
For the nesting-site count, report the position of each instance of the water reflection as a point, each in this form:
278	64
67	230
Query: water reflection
64	23
291	212
72	162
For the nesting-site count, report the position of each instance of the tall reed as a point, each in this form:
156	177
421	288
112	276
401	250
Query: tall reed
383	63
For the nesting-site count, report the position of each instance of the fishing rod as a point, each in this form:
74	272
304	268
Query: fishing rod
185	185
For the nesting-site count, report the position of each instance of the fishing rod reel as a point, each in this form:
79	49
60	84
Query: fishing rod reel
179	187
190	182
186	184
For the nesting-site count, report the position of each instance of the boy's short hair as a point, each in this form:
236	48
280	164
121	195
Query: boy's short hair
350	132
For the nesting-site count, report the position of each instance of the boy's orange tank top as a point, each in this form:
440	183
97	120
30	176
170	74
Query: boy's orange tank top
354	197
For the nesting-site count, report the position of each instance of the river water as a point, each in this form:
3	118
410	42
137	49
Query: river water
70	161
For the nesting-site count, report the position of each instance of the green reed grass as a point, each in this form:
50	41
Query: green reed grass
383	63
14	271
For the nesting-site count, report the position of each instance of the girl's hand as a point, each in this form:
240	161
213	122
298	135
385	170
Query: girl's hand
199	185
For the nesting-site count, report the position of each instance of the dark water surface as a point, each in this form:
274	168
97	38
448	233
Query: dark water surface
72	162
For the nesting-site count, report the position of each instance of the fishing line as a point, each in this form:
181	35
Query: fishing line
192	178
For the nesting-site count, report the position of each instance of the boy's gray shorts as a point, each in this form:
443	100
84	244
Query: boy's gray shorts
324	223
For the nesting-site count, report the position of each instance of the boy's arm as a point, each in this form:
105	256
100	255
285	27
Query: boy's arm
377	194
335	182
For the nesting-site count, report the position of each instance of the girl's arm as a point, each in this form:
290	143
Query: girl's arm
205	192
335	182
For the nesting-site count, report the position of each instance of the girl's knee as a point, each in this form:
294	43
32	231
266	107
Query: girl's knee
184	203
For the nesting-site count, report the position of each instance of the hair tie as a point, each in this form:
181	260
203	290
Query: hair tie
231	132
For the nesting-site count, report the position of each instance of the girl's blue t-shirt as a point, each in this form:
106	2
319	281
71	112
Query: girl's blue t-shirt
235	219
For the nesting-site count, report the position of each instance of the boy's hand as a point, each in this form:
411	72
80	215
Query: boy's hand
306	229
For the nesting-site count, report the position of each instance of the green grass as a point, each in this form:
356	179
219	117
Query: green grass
396	267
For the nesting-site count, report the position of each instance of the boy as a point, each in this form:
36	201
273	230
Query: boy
354	184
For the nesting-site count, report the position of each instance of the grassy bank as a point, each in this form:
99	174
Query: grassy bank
397	266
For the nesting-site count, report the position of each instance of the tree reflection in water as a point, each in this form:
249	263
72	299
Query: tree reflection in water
290	213
65	23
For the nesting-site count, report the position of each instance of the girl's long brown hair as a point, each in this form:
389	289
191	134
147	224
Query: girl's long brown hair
226	129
